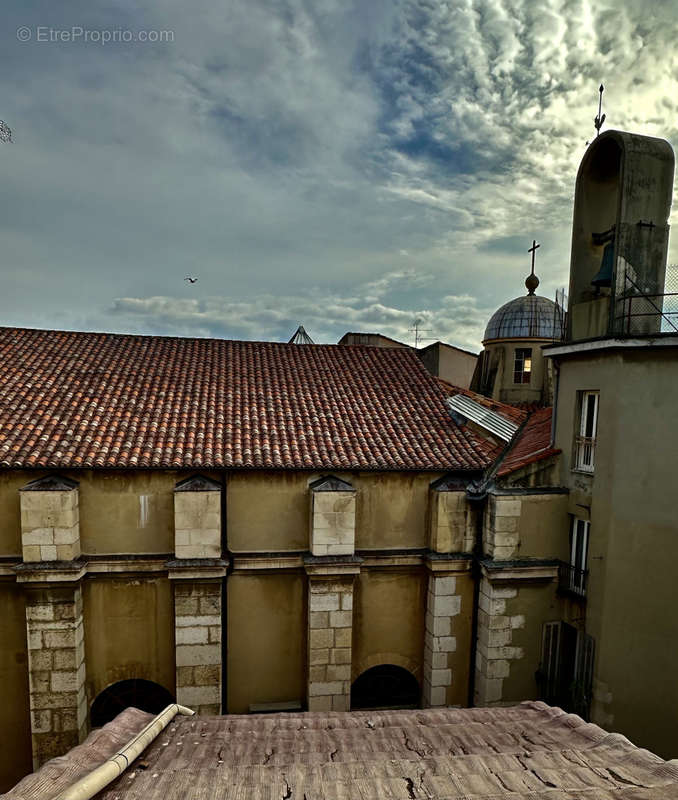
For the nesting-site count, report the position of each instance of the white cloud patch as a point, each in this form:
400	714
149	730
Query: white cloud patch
340	164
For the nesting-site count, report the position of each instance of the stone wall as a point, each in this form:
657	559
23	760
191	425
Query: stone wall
494	652
332	518
197	615
501	527
197	519
50	521
451	527
56	664
442	605
330	631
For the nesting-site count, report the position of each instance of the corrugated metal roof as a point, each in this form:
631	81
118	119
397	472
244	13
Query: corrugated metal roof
491	421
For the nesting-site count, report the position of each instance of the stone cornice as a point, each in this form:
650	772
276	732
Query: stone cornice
537	569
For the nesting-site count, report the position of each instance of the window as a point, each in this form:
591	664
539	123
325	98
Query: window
565	674
522	366
588	425
579	543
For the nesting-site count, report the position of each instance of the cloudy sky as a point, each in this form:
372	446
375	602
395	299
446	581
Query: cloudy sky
348	165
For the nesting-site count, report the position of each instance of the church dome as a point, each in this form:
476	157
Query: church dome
527	317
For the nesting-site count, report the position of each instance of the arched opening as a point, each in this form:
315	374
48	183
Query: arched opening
385	686
137	692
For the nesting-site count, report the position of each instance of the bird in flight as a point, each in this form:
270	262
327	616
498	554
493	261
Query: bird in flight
190	280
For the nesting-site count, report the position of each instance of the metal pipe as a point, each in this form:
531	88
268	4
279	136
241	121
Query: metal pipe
105	773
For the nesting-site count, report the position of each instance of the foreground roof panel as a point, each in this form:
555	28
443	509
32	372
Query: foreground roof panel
72	399
528	751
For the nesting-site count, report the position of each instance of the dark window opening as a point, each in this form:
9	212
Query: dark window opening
385	686
136	692
522	366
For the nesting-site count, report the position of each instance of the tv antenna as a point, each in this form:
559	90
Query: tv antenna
417	331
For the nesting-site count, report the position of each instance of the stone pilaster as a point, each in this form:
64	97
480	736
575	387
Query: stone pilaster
501	527
197	620
494	652
332	517
50	521
442	605
330	631
56	668
451	518
197	518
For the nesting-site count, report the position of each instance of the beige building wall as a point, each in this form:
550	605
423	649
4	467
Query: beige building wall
501	354
15	725
266	639
632	544
129	632
389	610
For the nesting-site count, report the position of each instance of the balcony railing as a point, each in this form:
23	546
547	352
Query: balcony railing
584	453
572	580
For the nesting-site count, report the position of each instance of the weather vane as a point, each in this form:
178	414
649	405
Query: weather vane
598	121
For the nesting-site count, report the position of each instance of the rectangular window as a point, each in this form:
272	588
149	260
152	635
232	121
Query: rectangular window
579	544
588	426
522	366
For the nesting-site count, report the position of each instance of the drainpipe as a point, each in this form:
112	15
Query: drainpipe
107	772
224	599
476	494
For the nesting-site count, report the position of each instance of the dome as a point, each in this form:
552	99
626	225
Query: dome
527	317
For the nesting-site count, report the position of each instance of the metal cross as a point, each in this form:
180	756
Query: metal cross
533	250
598	121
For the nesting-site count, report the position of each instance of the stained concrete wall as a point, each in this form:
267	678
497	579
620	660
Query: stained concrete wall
269	512
388	620
15	730
10	511
501	355
266	639
129	632
460	661
543	526
537	603
632	545
391	510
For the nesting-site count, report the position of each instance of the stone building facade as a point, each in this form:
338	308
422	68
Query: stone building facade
258	526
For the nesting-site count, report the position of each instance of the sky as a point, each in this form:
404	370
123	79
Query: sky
348	166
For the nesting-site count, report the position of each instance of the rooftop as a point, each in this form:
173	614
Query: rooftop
71	400
526	317
532	443
530	751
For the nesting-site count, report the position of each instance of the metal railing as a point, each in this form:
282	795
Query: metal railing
584	454
571	579
638	311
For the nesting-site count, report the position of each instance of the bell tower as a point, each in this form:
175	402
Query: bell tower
619	235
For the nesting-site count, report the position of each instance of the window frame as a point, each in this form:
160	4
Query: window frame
585	445
580	534
524	357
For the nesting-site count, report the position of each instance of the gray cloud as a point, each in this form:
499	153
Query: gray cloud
337	164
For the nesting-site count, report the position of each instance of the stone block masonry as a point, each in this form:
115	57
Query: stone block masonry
330	631
442	605
197	630
332	517
50	520
494	652
501	527
452	522
56	671
197	519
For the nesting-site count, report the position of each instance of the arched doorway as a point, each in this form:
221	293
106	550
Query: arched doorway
385	686
137	692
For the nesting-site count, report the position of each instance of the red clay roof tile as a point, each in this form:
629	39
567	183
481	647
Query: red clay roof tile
532	443
106	400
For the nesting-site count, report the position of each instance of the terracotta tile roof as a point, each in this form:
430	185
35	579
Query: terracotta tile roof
105	400
531	444
526	752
